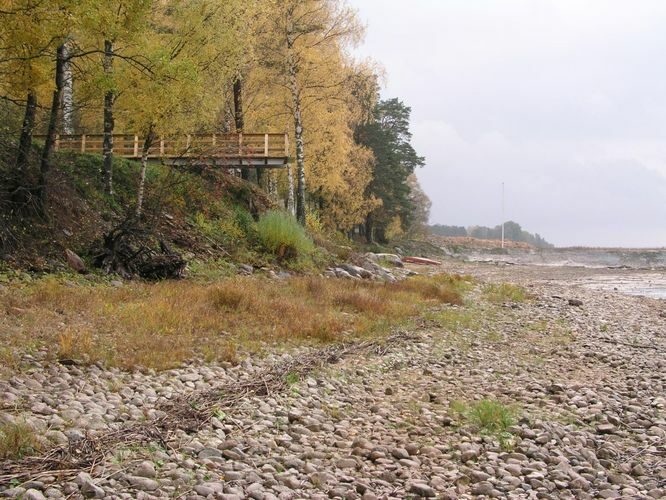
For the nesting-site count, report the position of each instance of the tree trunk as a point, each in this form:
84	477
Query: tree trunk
259	173
239	118
150	138
271	183
298	138
369	229
107	145
67	93
54	119
19	194
291	208
238	105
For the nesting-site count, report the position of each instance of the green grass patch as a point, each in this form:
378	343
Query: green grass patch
292	378
456	320
504	292
488	417
280	234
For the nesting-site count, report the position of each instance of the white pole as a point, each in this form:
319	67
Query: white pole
502	215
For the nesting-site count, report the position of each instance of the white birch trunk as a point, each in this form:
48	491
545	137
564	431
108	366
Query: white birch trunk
67	94
291	207
150	137
298	138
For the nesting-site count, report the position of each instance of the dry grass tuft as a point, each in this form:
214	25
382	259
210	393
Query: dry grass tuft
232	295
444	290
17	440
161	325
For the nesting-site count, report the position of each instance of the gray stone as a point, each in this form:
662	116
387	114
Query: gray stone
145	469
422	490
606	428
399	453
33	494
74	261
143	483
209	452
346	463
88	487
483	488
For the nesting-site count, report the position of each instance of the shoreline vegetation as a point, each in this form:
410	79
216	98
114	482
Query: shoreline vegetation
162	325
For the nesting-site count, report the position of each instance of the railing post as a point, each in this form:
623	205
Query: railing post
83	143
286	144
266	145
57	142
161	146
189	142
214	140
136	146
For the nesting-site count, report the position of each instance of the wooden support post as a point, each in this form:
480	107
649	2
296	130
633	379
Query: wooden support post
83	143
136	146
189	142
240	144
266	145
57	143
214	140
286	144
161	146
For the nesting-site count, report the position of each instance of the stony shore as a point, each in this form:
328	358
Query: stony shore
585	380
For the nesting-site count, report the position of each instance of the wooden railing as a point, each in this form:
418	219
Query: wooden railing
226	146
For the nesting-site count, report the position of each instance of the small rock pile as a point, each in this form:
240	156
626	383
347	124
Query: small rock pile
369	267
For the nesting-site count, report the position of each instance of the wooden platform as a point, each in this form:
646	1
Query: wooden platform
221	150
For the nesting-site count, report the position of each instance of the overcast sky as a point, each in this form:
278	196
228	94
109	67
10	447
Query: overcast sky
563	100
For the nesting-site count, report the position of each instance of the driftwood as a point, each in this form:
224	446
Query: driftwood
127	251
421	260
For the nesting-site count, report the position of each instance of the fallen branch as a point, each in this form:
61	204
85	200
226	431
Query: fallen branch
635	346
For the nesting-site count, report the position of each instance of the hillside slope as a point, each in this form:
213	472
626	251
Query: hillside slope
203	213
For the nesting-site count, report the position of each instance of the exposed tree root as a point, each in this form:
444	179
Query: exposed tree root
126	251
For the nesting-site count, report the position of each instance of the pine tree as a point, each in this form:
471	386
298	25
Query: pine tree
388	136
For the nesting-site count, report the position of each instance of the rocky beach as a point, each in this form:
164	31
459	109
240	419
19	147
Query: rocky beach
560	394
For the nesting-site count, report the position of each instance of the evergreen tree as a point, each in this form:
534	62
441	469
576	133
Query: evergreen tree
388	136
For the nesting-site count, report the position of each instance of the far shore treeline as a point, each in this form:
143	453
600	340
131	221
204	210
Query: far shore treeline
512	232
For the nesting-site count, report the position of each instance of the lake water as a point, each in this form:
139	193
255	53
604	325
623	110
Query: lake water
645	284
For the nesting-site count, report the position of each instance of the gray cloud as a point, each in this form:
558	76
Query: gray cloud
563	100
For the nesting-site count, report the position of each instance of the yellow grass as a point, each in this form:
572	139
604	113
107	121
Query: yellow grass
16	440
162	325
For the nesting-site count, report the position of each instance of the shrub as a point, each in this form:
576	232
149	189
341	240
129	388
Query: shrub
313	223
224	230
245	222
281	235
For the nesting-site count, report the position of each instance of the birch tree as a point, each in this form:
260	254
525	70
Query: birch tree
191	48
106	26
302	33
